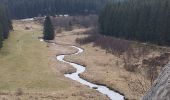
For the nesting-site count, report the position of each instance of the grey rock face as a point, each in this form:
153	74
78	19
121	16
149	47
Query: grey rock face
161	88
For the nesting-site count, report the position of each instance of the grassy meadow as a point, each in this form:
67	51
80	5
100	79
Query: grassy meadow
24	63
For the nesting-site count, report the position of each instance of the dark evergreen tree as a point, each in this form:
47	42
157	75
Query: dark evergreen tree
48	29
5	24
1	36
5	21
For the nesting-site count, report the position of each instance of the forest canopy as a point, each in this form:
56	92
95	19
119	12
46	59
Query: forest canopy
33	8
141	20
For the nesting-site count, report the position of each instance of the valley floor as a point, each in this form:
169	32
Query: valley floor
108	69
29	69
102	68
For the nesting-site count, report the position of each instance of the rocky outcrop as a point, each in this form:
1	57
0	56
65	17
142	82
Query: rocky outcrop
161	87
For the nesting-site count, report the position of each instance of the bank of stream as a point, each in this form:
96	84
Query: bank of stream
80	69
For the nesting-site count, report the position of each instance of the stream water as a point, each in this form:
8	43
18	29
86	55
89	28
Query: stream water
80	69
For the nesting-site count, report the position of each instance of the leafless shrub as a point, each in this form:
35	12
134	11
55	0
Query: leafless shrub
131	68
79	21
113	45
141	51
87	39
27	28
19	92
110	44
3	93
68	22
132	53
58	30
69	26
92	37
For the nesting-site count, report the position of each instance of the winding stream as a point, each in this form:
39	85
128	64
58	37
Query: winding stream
80	69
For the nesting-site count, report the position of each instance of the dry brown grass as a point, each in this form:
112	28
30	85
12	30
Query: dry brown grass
132	53
106	63
30	71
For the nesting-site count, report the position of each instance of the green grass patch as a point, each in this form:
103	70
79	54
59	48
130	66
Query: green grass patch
24	64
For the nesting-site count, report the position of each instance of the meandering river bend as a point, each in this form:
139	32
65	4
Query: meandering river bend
80	69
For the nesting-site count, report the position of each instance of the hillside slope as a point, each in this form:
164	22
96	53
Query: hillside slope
161	88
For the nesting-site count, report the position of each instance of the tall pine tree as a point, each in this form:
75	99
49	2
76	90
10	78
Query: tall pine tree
5	24
1	36
48	29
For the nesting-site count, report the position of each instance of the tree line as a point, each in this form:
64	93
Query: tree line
5	24
141	20
33	8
